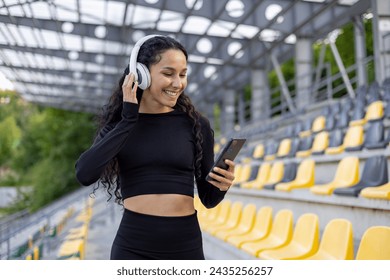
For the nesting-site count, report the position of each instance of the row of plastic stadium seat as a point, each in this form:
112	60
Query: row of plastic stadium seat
371	102
356	138
281	176
73	246
259	233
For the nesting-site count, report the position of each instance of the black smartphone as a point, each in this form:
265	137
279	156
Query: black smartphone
230	151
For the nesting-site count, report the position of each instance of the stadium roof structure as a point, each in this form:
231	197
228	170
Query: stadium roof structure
70	53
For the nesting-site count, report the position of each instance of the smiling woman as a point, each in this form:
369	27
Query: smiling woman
151	145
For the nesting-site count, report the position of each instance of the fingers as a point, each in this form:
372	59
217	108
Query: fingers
224	179
130	91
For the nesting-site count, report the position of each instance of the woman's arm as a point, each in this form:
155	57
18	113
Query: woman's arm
210	194
106	146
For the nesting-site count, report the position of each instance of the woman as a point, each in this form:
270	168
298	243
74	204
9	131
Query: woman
151	145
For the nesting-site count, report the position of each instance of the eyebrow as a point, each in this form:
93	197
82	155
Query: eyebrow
171	68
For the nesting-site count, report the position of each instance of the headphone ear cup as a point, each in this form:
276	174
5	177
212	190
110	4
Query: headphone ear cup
144	78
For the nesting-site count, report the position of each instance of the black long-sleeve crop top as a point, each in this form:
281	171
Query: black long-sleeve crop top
155	154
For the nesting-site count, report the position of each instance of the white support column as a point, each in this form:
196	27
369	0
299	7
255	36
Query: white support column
381	30
303	70
228	111
260	103
360	51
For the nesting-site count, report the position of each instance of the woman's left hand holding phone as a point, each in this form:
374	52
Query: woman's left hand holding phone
130	91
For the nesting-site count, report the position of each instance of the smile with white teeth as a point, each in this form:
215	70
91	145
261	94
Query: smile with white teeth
170	93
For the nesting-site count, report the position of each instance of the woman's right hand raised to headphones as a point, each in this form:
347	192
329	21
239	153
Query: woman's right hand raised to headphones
130	91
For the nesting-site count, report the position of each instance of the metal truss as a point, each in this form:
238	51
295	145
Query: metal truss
70	53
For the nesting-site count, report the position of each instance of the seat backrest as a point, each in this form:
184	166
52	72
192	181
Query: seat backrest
282	226
337	239
248	216
375	171
290	171
321	142
224	211
245	172
330	122
264	171
336	138
306	143
374	111
358	113
263	221
254	171
284	147
270	148
235	214
276	173
375	244
294	146
237	172
259	151
373	93
298	128
347	172
305	171
354	136
306	231
343	119
375	133
318	124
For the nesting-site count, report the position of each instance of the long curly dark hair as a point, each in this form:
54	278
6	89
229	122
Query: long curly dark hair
149	54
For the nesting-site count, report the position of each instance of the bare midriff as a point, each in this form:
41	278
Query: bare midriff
161	204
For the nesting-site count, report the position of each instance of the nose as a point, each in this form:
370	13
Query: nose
177	83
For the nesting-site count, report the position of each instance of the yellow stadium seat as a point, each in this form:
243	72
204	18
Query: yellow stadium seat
261	178
304	241
374	111
260	229
242	173
229	221
245	223
275	174
221	216
304	179
76	233
259	151
347	174
217	148
284	148
206	215
280	234
320	143
318	124
353	141
380	192
73	249
336	242
375	244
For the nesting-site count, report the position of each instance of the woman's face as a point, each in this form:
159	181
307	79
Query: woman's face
168	81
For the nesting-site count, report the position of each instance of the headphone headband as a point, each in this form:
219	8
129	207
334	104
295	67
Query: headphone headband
134	54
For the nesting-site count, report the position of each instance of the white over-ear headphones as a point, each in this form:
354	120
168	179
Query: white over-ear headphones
141	72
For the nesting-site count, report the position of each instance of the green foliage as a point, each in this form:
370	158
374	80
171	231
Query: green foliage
9	138
45	144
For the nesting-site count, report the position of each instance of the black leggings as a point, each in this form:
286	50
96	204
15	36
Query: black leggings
148	237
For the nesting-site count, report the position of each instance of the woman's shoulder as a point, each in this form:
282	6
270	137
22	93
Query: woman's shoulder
204	121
